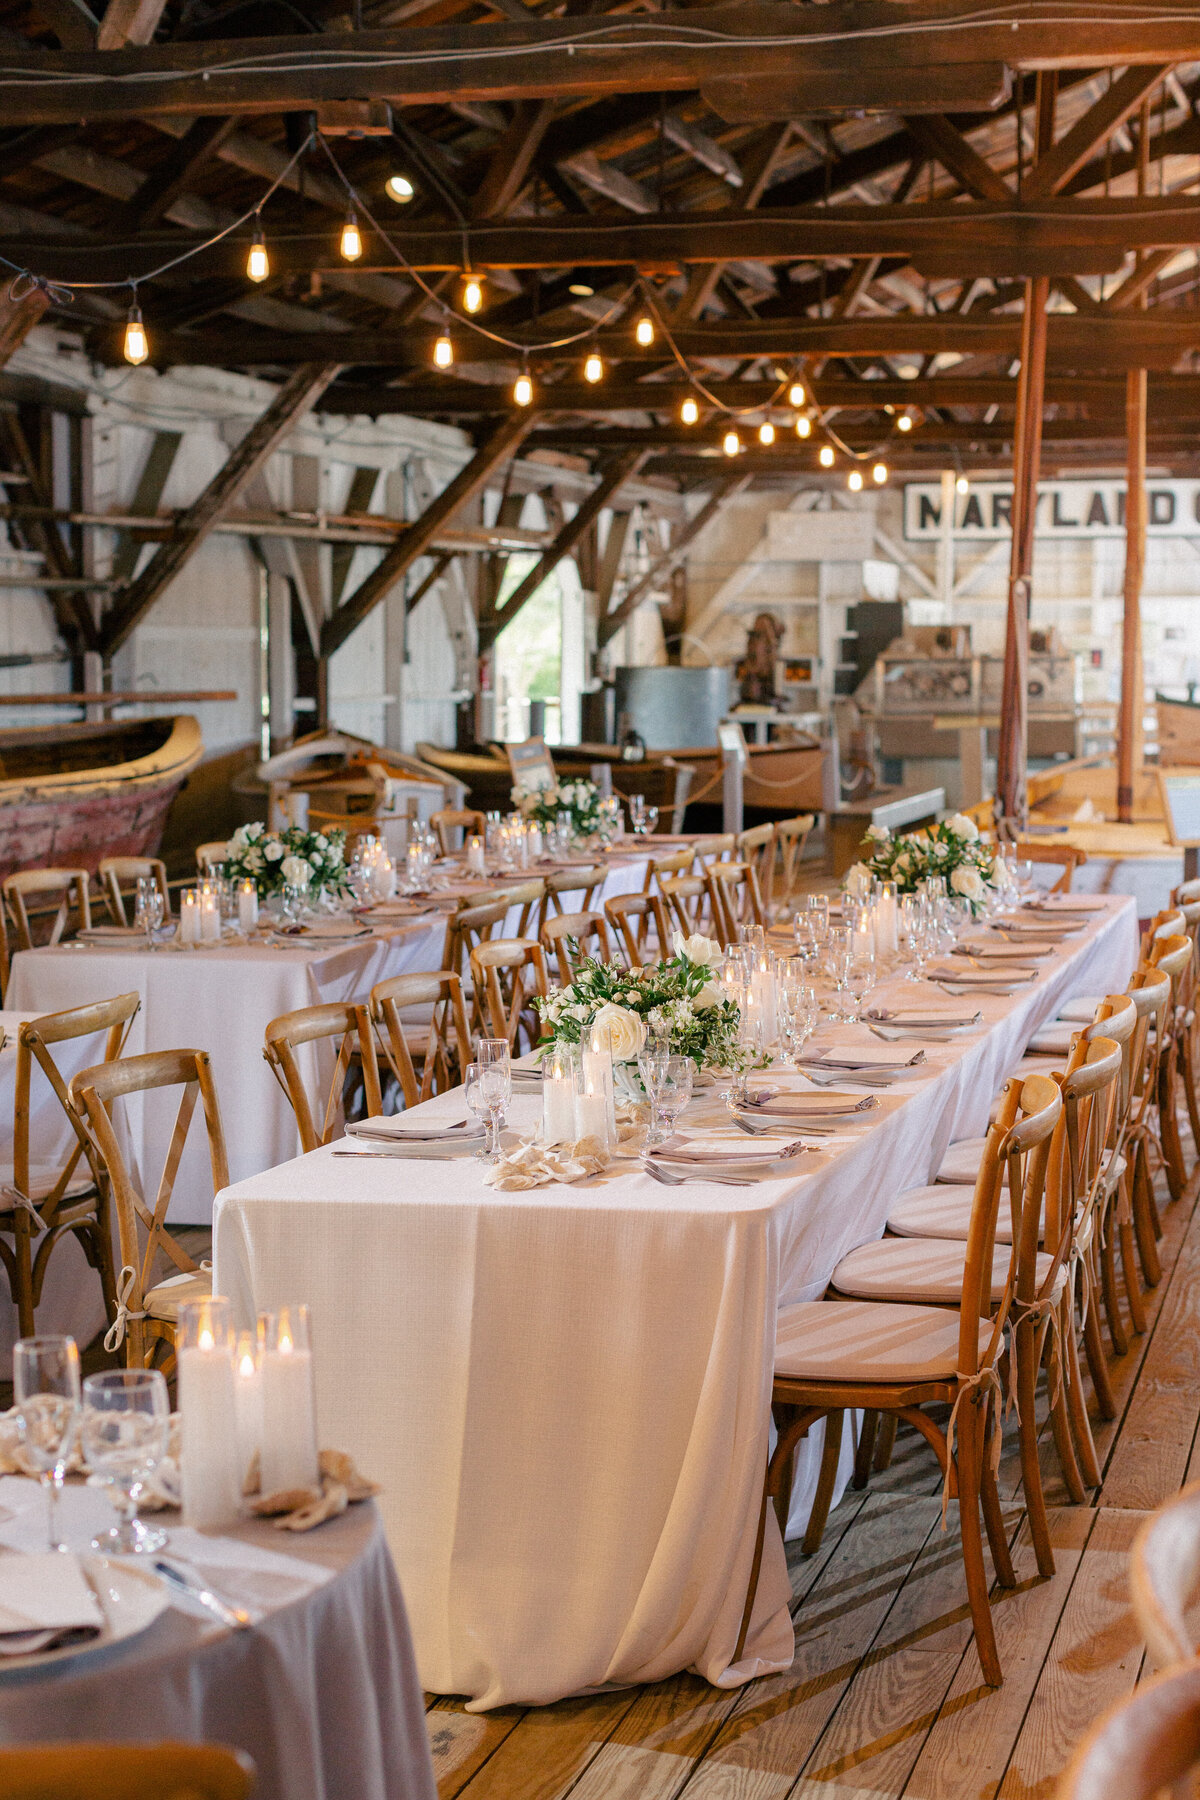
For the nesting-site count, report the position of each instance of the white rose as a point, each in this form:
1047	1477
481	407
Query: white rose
697	948
903	863
710	995
967	882
297	870
273	850
858	879
254	861
963	828
625	1030
878	834
322	842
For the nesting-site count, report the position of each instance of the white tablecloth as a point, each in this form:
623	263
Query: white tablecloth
565	1391
322	1692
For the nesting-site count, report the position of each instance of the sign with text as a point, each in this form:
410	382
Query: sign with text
1065	509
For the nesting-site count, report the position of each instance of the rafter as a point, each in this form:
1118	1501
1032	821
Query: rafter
959	158
608	626
18	318
512	158
165	184
1118	103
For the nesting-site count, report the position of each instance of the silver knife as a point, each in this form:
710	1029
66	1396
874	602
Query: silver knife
236	1617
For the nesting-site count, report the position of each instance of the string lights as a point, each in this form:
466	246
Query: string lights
962	485
731	443
351	243
766	433
472	294
904	422
879	474
825	456
689	412
523	389
643	331
258	263
593	368
854	481
136	346
796	394
803	426
443	351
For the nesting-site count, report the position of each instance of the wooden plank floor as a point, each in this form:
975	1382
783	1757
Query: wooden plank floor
885	1699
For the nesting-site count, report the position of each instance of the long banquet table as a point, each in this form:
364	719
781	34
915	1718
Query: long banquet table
565	1391
221	997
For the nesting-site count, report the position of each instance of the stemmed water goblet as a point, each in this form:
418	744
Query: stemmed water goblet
126	1425
675	1089
488	1089
148	907
653	1058
860	979
46	1395
798	1015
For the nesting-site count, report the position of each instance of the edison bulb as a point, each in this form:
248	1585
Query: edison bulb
962	485
443	352
136	347
522	390
825	457
689	412
644	331
593	369
804	426
904	422
398	188
472	297
879	474
351	244
854	481
796	394
766	433
731	443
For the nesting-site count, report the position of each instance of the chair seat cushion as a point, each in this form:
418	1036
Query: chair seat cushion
856	1340
923	1271
961	1161
165	1300
1052	1040
1080	1011
940	1211
42	1177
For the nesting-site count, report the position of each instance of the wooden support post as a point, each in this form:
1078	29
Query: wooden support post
608	627
1011	796
1129	721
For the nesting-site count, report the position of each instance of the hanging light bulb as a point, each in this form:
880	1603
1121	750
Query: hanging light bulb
962	485
766	433
399	188
796	394
137	346
472	294
258	265
643	331
879	474
825	456
904	422
523	389
689	412
351	244
731	443
804	426
443	352
593	368
854	481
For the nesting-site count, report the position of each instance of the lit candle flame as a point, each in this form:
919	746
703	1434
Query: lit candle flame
246	1367
206	1340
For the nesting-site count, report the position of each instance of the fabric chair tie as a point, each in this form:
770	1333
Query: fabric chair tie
983	1381
21	1202
1035	1313
114	1337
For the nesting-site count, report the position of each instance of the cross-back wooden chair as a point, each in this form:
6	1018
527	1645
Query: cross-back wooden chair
1171	953
41	1204
833	1356
756	846
581	884
1062	856
1150	993
147	1308
68	885
569	937
350	1025
441	1047
718	847
480	921
506	974
791	835
735	899
1164	1575
452	819
210	856
669	868
639	924
119	875
1116	1019
688	903
1146	1747
1171	922
125	1772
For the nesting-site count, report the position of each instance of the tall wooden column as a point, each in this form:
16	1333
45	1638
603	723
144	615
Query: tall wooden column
1129	722
1011	797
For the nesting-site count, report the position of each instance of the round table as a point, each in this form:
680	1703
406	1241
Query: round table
322	1691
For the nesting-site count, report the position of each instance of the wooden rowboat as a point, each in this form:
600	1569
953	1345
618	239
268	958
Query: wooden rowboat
1178	731
71	794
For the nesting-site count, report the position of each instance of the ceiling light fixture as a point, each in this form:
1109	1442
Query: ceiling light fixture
593	369
644	331
443	352
689	412
825	456
766	433
258	264
136	346
351	245
731	443
399	188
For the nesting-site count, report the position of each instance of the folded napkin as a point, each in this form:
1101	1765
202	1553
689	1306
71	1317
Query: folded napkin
45	1601
788	1103
920	1021
534	1164
720	1147
1068	903
842	1057
961	976
401	1128
992	952
299	1509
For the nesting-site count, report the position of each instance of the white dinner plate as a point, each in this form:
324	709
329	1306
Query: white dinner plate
130	1599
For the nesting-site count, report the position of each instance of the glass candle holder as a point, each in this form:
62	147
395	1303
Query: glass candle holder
558	1096
189	916
210	1475
289	1424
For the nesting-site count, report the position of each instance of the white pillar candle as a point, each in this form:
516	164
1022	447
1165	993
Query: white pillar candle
591	1116
475	858
210	1478
289	1428
247	905
189	917
558	1108
535	841
885	920
247	1396
762	1001
210	917
597	1076
862	942
383	877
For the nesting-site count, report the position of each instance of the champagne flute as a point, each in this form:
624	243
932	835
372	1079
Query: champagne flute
653	1058
46	1393
148	914
676	1090
860	980
495	1080
126	1424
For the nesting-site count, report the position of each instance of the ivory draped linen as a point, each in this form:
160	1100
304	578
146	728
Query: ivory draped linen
565	1391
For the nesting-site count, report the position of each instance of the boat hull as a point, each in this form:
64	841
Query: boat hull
73	817
1178	732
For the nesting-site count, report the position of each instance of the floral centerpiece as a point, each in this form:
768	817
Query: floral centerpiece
315	860
581	799
680	995
952	848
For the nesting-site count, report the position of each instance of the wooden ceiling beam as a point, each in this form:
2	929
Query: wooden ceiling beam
705	446
18	318
171	179
608	626
958	156
512	158
1062	160
854	52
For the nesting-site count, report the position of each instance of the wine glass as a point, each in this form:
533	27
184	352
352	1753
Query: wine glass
637	814
148	905
46	1393
126	1424
651	820
798	1014
860	979
838	950
494	1059
676	1088
816	909
653	1058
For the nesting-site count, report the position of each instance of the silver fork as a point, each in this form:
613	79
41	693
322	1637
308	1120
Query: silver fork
680	1180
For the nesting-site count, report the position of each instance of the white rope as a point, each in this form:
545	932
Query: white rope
983	1379
114	1337
18	1199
